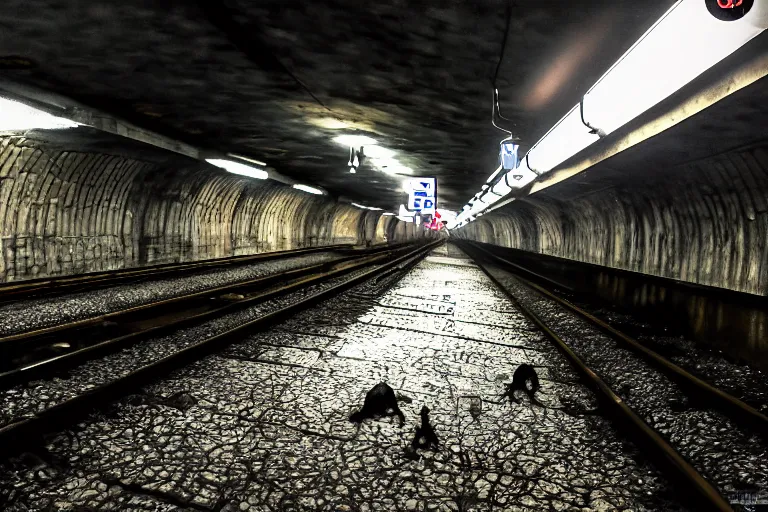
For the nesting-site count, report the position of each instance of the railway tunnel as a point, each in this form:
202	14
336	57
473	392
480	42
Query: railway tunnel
225	225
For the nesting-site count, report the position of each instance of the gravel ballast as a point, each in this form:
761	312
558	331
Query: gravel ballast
731	457
32	314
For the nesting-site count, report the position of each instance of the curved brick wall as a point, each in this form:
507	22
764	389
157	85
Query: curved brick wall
65	210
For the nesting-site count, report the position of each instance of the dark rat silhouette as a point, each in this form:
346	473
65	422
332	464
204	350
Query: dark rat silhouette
425	437
523	375
379	401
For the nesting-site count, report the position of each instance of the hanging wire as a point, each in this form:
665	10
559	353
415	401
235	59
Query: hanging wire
495	107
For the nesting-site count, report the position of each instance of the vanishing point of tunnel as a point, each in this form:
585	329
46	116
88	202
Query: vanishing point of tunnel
484	255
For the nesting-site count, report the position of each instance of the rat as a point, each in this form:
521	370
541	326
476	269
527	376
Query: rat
379	401
523	375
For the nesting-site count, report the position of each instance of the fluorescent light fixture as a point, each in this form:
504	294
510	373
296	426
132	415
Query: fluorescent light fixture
372	208
388	214
307	188
501	188
684	43
18	116
514	180
565	139
354	140
238	168
247	159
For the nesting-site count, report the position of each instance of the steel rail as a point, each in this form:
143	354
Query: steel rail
28	432
286	280
693	386
48	286
665	455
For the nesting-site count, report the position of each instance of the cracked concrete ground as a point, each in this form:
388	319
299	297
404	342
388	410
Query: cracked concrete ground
264	425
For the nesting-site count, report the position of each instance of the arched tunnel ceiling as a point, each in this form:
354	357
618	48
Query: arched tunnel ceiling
263	78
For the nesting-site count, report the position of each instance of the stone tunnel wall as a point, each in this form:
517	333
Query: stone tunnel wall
65	211
704	222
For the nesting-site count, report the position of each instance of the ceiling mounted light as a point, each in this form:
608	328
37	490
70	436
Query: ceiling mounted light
565	139
248	159
372	208
388	214
18	116
354	140
308	189
683	44
238	168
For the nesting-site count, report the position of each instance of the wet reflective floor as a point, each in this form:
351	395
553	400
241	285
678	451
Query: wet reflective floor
264	425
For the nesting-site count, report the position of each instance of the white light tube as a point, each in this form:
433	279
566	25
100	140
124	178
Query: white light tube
372	208
238	168
565	139
308	189
683	44
18	116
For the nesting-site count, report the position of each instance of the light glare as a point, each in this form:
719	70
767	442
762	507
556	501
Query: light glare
682	45
308	189
238	168
354	140
18	116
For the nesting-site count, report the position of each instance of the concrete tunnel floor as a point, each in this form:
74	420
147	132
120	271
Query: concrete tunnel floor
263	425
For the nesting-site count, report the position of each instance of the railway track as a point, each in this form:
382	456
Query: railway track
31	353
683	463
272	299
56	286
